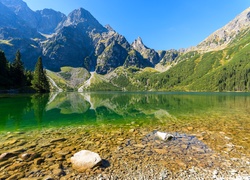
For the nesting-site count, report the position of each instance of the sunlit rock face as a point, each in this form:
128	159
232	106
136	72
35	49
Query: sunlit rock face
146	52
234	30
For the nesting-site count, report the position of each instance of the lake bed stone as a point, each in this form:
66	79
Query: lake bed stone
38	161
6	156
25	156
83	160
58	140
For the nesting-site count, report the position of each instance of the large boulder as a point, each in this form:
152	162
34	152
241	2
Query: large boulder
85	160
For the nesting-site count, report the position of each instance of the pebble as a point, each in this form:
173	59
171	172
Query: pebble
233	171
58	140
38	161
58	172
215	172
6	156
16	176
190	128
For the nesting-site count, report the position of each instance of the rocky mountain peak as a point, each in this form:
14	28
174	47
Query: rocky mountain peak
79	16
83	17
21	9
14	5
138	45
224	36
146	52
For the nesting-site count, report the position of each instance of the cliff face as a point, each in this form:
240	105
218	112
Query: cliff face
146	52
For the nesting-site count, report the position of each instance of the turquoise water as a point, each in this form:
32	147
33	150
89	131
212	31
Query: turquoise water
26	112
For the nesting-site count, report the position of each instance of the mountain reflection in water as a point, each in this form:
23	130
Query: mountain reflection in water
19	112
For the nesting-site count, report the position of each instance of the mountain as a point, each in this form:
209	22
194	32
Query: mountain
99	58
219	63
146	52
44	21
47	20
13	26
21	9
234	30
76	40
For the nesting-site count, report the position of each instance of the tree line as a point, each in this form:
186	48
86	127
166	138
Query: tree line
15	76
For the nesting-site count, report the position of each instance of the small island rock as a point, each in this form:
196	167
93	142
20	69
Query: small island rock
85	160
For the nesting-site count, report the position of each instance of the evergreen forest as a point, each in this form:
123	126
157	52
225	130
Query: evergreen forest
14	77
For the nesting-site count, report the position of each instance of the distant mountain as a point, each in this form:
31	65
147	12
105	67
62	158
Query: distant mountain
13	26
146	52
47	20
73	41
76	40
21	9
79	41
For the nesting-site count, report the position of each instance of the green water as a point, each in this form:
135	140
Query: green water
28	112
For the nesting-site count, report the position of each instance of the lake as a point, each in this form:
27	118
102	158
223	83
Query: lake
220	121
25	112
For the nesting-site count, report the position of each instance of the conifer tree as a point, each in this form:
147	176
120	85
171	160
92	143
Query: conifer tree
3	64
18	71
4	71
40	82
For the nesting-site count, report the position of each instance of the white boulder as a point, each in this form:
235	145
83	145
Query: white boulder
85	159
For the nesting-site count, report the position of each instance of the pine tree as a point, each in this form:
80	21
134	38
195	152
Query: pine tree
4	71
3	64
40	82
18	71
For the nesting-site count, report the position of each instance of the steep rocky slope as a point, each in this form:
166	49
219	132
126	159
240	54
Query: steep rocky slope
233	31
48	20
146	52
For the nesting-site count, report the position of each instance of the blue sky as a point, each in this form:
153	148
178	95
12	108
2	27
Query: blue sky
162	24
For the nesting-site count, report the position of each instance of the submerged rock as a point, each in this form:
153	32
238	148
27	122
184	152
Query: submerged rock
25	156
6	156
85	160
58	140
28	156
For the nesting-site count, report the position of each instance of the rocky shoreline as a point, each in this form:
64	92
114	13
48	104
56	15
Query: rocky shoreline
127	153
